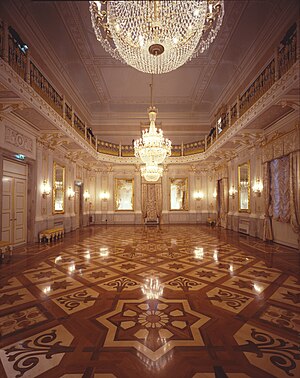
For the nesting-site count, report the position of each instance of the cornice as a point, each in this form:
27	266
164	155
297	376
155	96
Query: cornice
30	98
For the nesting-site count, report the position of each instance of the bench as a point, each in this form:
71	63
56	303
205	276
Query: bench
5	247
51	234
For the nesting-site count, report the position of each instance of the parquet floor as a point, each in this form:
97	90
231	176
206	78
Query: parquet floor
174	301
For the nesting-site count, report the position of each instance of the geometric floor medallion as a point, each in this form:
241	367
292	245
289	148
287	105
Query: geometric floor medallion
153	327
36	354
269	352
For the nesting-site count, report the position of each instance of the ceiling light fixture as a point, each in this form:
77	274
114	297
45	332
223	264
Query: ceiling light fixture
156	36
152	148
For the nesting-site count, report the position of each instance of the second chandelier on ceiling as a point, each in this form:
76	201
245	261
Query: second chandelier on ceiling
156	36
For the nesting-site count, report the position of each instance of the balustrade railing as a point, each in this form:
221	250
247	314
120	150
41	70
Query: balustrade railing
41	85
68	114
176	150
108	148
287	52
258	88
193	148
79	125
18	58
127	151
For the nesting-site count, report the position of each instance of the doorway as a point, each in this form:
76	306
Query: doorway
14	202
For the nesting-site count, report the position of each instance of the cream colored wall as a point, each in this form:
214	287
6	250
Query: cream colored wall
97	210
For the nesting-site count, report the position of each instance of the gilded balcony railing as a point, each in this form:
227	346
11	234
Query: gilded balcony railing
16	57
258	88
14	53
193	148
79	125
108	148
287	50
41	85
176	150
127	151
233	113
68	114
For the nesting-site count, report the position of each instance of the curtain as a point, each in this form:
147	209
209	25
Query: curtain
280	189
144	200
158	199
151	201
218	187
226	200
221	201
267	230
294	186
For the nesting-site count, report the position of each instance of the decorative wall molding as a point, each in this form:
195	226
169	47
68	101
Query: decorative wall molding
18	139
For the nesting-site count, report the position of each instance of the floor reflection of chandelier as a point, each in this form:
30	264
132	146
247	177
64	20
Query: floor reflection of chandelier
152	148
156	36
152	288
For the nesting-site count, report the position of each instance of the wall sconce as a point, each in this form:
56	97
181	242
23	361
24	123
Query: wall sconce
104	196
215	194
257	187
45	188
198	195
86	195
232	192
70	193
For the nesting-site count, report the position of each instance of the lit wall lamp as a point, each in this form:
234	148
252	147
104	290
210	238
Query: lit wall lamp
215	194
198	195
257	187
70	192
232	192
45	188
104	196
86	195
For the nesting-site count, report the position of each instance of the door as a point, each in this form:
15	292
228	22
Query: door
14	203
14	214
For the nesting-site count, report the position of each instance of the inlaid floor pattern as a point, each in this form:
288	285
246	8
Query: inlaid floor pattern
132	301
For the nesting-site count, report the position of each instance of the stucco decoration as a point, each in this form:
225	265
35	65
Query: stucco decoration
18	139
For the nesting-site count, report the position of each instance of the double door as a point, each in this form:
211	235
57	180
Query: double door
14	203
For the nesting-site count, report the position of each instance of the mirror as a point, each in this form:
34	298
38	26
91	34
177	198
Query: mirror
179	194
124	194
58	189
244	187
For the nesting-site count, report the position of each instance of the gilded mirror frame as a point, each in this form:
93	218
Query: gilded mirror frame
244	189
124	201
58	205
180	185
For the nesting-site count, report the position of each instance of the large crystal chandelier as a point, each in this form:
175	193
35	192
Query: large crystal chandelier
152	148
156	36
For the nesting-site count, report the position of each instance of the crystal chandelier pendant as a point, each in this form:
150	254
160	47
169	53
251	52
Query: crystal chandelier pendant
152	148
156	36
151	172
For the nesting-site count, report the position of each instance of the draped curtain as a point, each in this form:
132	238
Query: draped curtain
226	200
280	189
294	186
144	200
151	201
158	199
267	231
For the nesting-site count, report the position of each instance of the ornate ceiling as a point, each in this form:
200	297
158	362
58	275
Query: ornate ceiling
113	98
